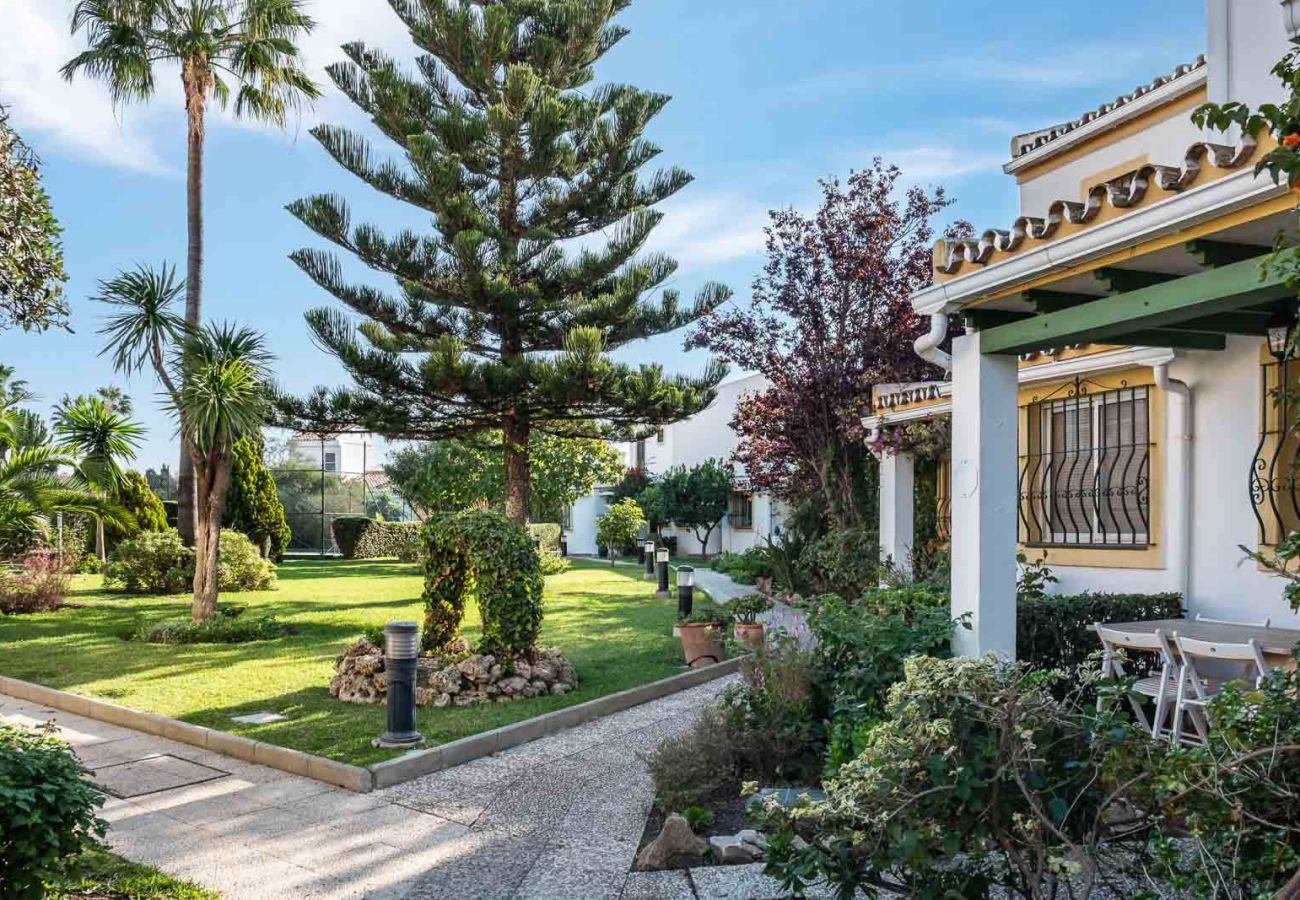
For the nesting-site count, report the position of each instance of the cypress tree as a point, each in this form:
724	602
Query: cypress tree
253	504
505	312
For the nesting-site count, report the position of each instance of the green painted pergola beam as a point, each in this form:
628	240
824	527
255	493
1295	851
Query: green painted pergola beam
1167	305
1180	340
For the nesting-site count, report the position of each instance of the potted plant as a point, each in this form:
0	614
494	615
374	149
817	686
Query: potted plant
748	631
703	633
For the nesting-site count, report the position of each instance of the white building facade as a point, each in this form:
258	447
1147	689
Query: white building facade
752	516
348	453
1113	404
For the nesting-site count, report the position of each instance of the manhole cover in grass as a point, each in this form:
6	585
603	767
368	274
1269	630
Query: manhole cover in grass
260	718
153	774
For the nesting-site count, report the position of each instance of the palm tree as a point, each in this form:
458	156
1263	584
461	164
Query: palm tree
216	381
100	438
249	44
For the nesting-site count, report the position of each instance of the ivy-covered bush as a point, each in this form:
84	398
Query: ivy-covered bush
47	811
547	534
160	563
620	525
347	530
1055	630
482	552
844	562
253	505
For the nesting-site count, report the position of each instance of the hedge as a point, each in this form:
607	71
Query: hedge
1057	631
547	533
358	537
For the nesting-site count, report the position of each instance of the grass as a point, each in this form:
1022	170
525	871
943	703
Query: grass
97	875
606	619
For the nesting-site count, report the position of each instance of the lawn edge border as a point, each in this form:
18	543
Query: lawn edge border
435	759
353	778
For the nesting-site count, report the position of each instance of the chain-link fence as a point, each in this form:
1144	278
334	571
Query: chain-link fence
314	498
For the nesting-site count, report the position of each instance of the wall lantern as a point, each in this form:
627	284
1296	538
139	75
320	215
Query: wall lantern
1291	16
1280	330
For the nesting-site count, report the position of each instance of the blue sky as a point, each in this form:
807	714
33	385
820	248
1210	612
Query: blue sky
769	96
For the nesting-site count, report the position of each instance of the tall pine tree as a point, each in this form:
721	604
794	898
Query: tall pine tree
506	312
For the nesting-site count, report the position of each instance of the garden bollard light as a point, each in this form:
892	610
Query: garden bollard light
649	560
640	554
401	660
661	559
564	545
685	590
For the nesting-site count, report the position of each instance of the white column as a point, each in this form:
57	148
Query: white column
985	449
897	506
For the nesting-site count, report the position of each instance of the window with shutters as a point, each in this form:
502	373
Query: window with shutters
1085	473
740	510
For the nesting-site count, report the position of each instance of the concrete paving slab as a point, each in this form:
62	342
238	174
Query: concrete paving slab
152	775
673	884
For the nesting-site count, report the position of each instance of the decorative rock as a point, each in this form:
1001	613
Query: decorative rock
512	685
731	850
446	680
676	847
524	670
560	688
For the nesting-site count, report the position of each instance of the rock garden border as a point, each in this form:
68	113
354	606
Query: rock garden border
362	779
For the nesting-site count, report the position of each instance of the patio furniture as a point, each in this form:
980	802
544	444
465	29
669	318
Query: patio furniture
1203	687
1161	687
1277	644
1202	618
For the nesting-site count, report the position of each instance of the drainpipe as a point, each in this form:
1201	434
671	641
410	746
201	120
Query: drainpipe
1180	426
927	345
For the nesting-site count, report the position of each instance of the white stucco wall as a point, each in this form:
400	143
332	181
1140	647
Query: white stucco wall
1245	38
1226	412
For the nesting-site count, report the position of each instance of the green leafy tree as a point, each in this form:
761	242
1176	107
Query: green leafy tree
620	526
696	498
563	471
215	380
112	396
31	255
512	152
254	506
217	44
101	439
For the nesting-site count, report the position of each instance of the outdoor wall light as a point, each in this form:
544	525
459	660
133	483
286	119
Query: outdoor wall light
1291	16
661	559
401	660
685	590
1280	329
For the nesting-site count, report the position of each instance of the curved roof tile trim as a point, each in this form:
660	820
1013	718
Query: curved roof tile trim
1123	192
1028	143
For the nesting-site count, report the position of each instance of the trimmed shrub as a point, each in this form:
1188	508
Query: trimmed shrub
744	568
230	625
160	563
484	552
347	531
47	811
620	525
380	540
253	506
843	562
38	586
547	534
552	563
1055	631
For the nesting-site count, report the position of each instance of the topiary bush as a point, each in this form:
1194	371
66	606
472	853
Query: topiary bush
482	552
347	531
547	534
253	505
380	540
47	811
1055	631
160	563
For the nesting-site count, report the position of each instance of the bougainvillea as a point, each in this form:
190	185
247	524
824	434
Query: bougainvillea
922	438
829	317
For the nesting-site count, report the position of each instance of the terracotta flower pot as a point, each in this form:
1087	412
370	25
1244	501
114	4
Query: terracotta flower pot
749	635
701	643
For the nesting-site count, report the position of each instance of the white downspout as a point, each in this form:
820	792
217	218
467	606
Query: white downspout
1180	459
927	345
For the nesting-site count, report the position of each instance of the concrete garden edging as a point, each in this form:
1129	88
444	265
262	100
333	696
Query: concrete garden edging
358	778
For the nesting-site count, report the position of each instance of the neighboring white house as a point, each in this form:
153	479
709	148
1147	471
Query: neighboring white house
1114	404
706	435
349	453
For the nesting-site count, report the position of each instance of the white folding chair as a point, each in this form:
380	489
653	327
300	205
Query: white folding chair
1196	690
1161	687
1264	624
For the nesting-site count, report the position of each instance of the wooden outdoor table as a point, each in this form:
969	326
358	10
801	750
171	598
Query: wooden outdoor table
1277	644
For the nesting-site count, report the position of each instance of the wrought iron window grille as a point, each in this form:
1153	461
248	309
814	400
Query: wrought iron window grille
740	510
1274	481
1085	473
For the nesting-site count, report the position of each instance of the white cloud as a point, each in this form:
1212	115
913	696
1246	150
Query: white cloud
929	162
708	229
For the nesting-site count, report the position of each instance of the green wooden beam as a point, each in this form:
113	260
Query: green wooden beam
1121	281
1166	305
1051	301
991	318
1213	254
1230	323
1180	340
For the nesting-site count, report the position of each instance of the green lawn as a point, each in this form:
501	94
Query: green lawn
98	875
607	621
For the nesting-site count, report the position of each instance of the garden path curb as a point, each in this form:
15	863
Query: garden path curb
357	778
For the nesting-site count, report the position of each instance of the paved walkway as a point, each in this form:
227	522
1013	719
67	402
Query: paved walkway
558	818
723	590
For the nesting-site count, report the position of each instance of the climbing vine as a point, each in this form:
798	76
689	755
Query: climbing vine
481	553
